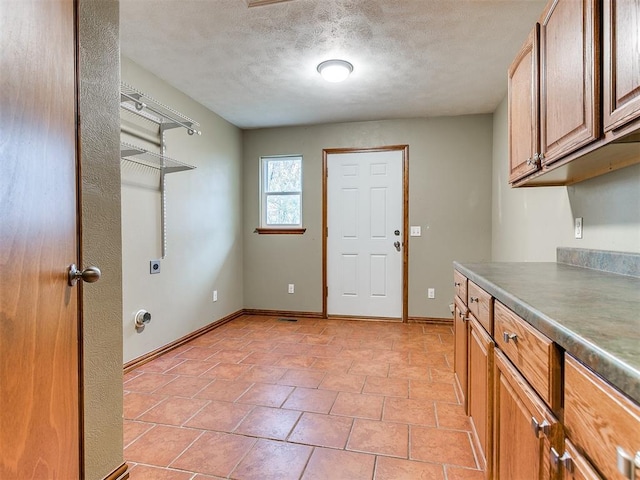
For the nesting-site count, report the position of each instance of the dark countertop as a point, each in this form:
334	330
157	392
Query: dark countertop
593	315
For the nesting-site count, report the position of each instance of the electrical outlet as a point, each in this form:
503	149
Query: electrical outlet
215	295
431	293
578	227
415	231
154	266
292	288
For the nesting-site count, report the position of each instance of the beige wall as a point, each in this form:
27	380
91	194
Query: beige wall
529	223
101	243
204	241
449	196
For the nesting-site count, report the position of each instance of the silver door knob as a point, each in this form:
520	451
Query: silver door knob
89	274
397	245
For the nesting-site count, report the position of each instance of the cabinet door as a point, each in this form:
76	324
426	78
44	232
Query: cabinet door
621	74
575	466
481	390
461	349
523	110
525	430
569	73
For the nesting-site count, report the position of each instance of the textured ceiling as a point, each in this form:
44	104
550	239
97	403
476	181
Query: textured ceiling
256	67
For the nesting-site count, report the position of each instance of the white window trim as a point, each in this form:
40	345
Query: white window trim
263	193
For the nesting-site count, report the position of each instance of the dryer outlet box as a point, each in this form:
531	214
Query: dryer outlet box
154	266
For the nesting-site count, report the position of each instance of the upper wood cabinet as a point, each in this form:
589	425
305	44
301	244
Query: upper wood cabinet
569	78
574	94
621	42
524	138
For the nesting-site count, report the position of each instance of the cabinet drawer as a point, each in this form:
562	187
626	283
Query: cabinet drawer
460	286
481	305
575	466
598	419
531	352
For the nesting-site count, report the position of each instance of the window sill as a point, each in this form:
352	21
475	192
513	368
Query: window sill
280	231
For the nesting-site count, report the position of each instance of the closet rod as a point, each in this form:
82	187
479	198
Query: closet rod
142	136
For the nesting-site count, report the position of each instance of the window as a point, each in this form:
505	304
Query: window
281	192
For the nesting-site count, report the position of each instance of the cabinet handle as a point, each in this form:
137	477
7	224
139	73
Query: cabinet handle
473	299
456	284
506	336
626	463
564	460
534	161
544	427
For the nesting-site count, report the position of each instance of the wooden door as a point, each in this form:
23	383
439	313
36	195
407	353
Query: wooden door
621	73
520	451
461	350
39	315
569	77
524	142
481	390
365	239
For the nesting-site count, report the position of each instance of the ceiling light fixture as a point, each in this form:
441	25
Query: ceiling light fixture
335	70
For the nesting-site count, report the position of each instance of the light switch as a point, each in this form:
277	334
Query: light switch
416	231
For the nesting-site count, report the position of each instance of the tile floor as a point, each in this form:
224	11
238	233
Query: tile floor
261	398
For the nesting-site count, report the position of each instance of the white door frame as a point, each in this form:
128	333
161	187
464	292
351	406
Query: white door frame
405	219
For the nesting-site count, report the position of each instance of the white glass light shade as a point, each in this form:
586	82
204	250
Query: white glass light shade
335	70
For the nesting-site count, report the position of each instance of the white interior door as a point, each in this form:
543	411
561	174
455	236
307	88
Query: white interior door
364	240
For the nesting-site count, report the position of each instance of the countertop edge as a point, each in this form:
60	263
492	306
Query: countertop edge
622	376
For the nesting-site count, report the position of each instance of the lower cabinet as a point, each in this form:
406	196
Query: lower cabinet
525	429
536	412
603	424
461	349
572	465
481	391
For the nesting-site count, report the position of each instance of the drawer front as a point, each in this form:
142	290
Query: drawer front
579	468
481	305
531	352
463	311
460	286
598	419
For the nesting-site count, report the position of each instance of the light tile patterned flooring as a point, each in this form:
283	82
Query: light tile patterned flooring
261	398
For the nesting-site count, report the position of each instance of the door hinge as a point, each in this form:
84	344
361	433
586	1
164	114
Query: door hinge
327	232
326	291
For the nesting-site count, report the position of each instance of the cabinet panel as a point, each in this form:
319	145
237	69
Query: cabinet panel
523	109
521	451
621	74
460	286
534	354
481	390
575	466
461	349
481	305
599	419
569	78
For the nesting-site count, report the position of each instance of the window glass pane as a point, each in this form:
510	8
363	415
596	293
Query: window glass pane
283	210
284	175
